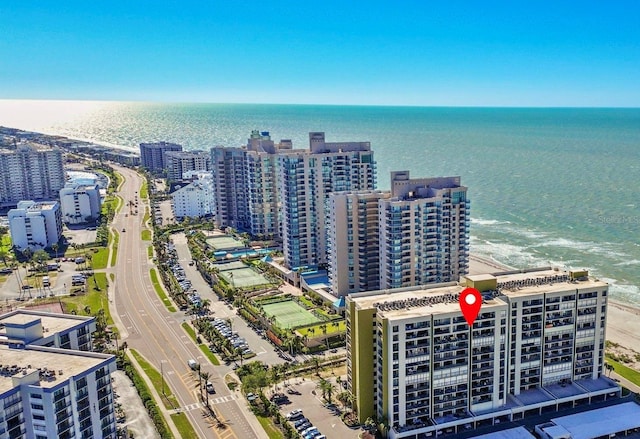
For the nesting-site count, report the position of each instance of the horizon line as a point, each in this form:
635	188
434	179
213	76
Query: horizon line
179	102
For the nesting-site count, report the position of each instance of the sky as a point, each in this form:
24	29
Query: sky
431	53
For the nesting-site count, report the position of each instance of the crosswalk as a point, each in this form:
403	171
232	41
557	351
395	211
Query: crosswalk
198	405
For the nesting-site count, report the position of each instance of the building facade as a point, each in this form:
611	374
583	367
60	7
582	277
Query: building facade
353	241
245	185
179	162
51	385
30	172
305	180
538	343
415	234
80	203
196	199
35	225
152	155
424	226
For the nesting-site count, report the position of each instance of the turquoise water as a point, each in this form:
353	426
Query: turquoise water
546	185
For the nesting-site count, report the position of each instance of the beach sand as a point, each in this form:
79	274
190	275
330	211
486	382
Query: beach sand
623	320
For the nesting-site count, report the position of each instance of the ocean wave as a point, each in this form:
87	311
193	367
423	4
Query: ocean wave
487	222
623	292
627	263
609	251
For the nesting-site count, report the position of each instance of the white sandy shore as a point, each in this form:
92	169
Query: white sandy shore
623	320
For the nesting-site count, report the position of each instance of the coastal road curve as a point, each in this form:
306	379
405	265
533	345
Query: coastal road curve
149	328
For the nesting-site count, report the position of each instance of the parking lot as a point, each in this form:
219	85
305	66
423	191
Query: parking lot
327	420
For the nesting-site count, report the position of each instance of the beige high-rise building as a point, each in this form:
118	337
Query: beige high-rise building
537	344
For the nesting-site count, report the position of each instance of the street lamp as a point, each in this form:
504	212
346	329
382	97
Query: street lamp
162	373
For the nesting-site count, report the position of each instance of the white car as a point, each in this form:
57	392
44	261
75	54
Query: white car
293	414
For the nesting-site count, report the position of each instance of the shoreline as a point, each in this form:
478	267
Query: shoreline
623	319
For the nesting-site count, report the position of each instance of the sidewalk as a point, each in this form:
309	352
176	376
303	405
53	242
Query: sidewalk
156	397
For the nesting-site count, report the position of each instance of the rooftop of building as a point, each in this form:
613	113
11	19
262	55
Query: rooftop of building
406	303
511	433
51	322
603	422
537	281
443	298
35	206
21	363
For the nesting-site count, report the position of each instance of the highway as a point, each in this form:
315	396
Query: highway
149	328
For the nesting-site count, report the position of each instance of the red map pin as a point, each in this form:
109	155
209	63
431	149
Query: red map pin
470	303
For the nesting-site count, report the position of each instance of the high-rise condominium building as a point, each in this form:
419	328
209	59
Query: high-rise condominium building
30	173
537	344
152	155
305	180
35	225
424	228
416	234
179	162
245	187
353	241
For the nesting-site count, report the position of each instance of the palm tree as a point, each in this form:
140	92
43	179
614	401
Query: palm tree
345	399
238	352
199	379
316	364
323	327
275	376
327	389
55	248
205	377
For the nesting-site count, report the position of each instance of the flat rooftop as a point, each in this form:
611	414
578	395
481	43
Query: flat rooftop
512	433
17	363
52	322
539	281
407	303
601	422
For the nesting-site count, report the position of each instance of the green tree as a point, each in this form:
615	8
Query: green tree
40	258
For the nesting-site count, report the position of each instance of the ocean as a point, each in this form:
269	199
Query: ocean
547	185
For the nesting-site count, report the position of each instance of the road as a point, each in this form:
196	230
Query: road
147	326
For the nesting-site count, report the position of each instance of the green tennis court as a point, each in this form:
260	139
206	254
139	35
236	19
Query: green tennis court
230	265
224	242
289	314
244	277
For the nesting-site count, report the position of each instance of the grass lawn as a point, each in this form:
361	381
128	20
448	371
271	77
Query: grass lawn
144	190
625	371
100	258
5	243
169	401
153	274
332	328
272	431
150	252
96	297
183	425
114	254
146	216
146	235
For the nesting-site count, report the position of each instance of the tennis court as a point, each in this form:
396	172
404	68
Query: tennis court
230	265
289	314
239	275
224	242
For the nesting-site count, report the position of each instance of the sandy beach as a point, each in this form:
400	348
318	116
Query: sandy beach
623	320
